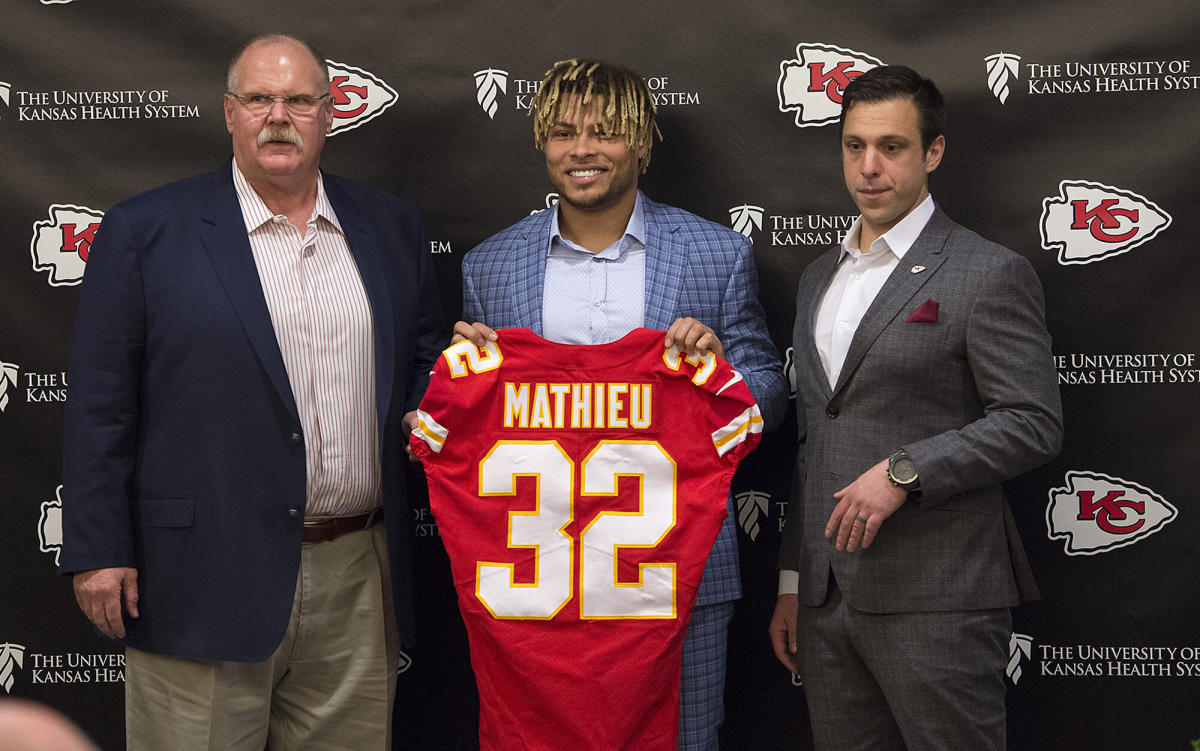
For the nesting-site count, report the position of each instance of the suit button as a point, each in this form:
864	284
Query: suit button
832	413
293	513
295	437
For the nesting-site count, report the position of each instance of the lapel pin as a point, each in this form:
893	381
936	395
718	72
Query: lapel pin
916	269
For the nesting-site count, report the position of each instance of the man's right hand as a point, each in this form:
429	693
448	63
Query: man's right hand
99	592
479	334
783	631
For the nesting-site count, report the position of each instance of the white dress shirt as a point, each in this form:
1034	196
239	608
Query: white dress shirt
856	282
322	321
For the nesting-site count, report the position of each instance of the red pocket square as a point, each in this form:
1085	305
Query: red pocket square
927	313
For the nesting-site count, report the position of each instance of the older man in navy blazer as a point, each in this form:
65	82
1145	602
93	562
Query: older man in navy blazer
924	379
248	348
607	260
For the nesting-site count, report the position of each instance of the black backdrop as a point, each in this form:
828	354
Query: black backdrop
1072	138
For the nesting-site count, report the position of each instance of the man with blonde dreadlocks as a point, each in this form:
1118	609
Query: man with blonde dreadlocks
607	260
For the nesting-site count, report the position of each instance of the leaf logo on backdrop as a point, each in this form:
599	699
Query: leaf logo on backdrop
10	655
1001	68
358	96
1020	647
8	377
5	93
489	85
1089	222
751	507
1096	513
50	526
61	243
746	218
811	85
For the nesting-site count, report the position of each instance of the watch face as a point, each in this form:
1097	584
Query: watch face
903	470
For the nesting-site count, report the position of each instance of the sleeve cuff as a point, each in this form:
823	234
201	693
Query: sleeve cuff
789	582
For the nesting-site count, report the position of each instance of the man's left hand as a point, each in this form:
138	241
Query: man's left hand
693	337
863	505
409	422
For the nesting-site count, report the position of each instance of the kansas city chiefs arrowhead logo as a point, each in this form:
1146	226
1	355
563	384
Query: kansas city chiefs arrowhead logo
358	96
812	84
61	243
50	526
1096	513
1089	221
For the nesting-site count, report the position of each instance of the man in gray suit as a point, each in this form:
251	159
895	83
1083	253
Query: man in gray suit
924	379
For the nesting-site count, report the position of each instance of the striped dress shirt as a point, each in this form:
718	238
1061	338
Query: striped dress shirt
322	321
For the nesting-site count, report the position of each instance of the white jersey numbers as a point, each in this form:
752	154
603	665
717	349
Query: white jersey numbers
704	362
602	593
465	358
540	529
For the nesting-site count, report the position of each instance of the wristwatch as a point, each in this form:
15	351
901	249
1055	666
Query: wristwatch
903	472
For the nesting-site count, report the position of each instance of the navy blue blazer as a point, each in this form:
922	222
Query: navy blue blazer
183	451
694	268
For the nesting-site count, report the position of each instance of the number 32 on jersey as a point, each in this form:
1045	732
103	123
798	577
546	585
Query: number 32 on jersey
601	595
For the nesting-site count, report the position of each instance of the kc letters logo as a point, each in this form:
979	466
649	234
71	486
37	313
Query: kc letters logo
61	243
358	97
1096	513
811	85
1089	222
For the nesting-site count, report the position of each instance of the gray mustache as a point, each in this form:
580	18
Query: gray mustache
279	133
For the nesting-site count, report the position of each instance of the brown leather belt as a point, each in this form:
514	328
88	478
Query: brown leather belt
324	530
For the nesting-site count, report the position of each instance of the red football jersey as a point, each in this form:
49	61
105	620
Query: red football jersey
578	490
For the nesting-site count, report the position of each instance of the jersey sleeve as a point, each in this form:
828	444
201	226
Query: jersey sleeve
449	393
734	420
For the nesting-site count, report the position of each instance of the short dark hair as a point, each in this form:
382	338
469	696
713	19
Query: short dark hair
231	80
890	82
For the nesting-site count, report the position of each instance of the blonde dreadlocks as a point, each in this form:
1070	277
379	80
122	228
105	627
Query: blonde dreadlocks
628	106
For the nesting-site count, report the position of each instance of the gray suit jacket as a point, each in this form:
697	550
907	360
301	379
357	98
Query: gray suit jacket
972	397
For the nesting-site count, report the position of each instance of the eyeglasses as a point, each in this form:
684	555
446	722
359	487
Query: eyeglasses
261	104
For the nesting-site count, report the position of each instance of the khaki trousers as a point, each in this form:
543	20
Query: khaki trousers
329	685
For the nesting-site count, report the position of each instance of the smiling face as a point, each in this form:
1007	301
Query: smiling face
886	170
278	146
591	170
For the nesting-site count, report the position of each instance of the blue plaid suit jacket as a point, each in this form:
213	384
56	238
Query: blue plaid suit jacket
694	268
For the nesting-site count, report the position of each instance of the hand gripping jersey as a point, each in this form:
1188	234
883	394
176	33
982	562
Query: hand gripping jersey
578	490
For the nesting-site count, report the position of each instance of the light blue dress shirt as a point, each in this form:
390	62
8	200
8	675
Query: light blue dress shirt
595	298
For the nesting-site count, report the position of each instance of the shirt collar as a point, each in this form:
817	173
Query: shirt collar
900	238
634	237
255	212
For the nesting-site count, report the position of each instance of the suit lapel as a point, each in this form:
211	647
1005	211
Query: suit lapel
527	275
365	248
666	255
223	237
899	288
823	270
